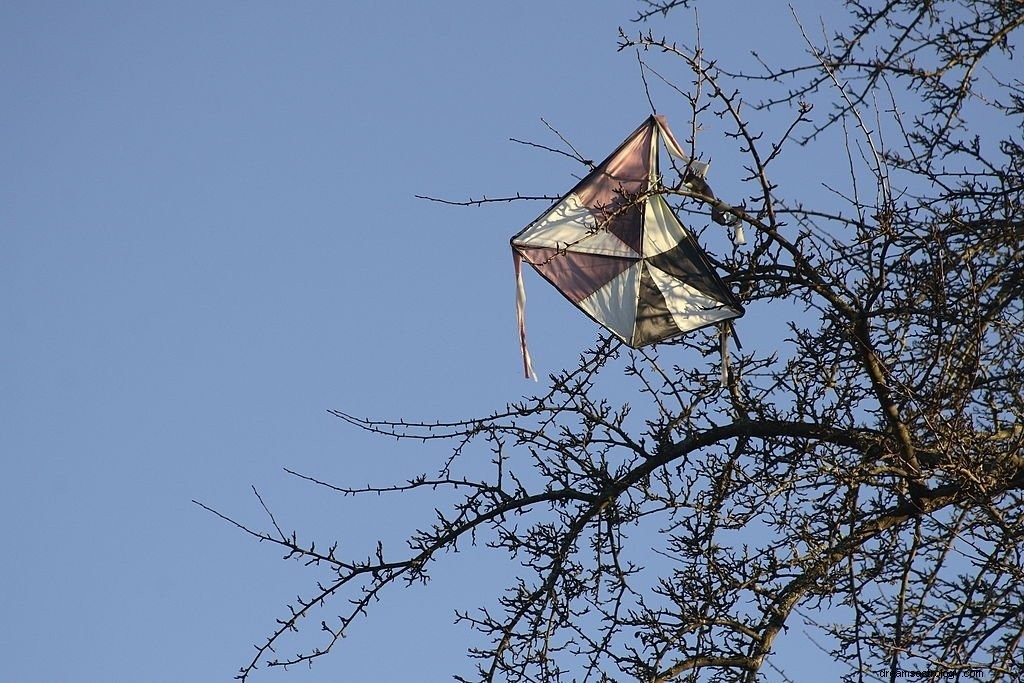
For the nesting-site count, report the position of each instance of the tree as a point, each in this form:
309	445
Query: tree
866	477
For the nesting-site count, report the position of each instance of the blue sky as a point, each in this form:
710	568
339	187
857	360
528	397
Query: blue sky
209	237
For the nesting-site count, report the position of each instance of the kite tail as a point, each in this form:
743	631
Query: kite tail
723	338
521	316
738	236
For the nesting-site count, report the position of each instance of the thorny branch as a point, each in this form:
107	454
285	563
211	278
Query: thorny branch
862	478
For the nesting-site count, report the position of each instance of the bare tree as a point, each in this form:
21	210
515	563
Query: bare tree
864	478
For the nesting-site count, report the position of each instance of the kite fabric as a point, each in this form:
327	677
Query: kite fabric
615	249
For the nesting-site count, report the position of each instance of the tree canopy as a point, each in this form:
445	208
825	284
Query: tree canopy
864	477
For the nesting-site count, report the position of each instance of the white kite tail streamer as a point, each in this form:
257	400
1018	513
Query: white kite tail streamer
723	339
521	316
738	237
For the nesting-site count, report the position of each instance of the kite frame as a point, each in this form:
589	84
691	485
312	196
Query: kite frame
701	254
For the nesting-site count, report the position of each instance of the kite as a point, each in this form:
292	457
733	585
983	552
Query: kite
615	249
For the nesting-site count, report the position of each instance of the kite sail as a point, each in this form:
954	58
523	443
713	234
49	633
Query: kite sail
615	249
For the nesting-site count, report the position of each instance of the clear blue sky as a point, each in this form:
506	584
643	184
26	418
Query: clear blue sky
209	237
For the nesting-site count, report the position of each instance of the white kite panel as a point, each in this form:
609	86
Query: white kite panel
690	308
570	225
662	230
614	305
